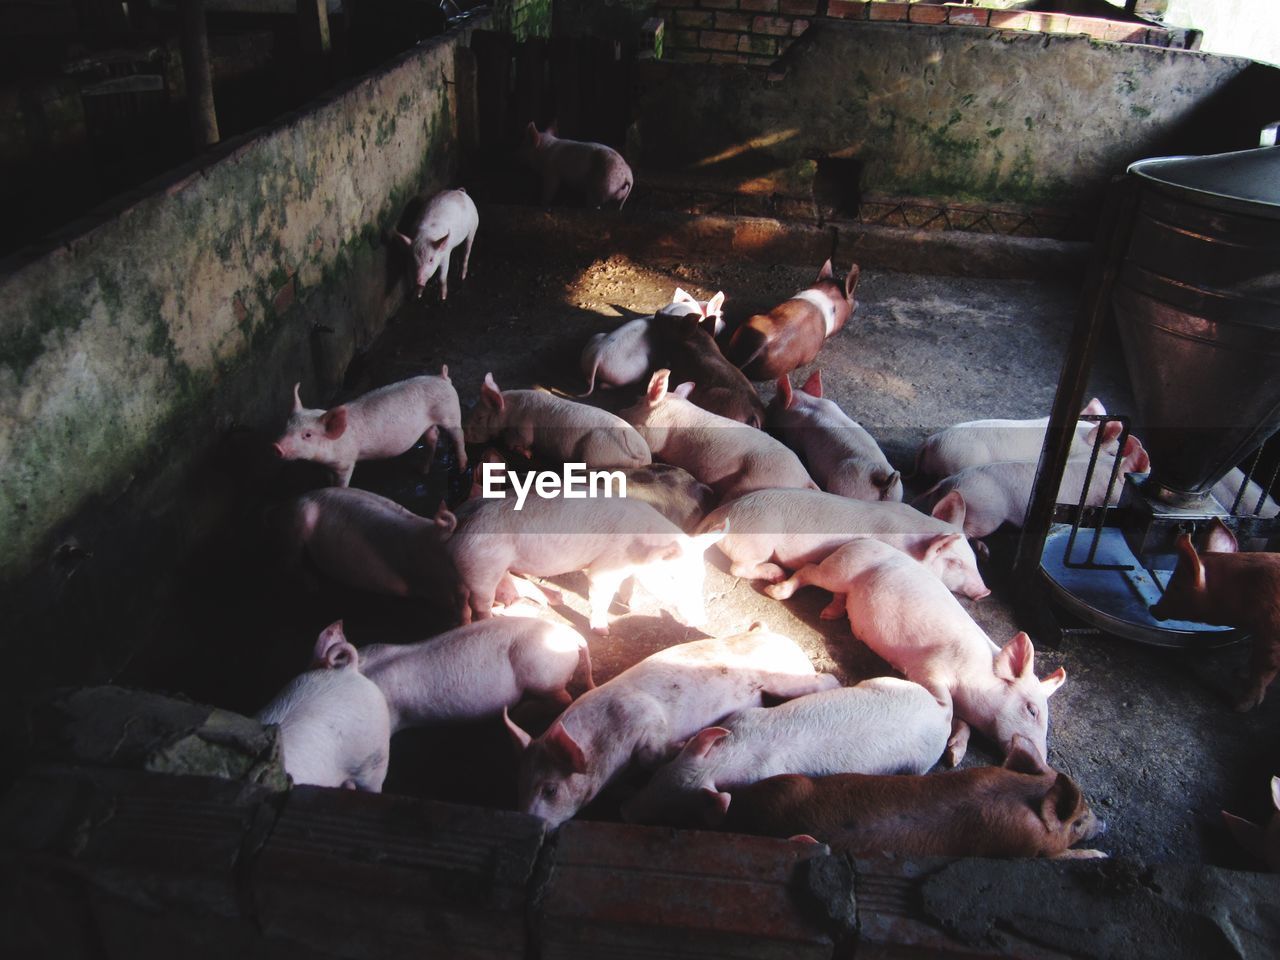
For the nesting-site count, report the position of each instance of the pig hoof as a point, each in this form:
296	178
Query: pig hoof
601	629
780	591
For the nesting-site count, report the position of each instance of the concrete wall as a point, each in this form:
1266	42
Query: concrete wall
958	112
132	347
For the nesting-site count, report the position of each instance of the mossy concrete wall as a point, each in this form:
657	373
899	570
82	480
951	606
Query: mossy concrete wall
131	346
962	113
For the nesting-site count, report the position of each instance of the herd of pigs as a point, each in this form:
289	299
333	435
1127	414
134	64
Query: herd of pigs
737	732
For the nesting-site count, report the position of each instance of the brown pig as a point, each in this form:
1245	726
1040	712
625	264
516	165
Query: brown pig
1022	809
1233	589
685	347
791	334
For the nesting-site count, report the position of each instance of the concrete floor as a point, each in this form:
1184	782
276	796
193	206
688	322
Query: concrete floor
1147	733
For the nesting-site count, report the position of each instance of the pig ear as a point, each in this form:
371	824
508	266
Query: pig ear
710	538
490	393
519	739
444	520
784	391
564	749
1024	757
335	422
951	509
1094	408
885	481
683	296
1136	455
444	371
1016	659
1061	802
658	386
1188	551
1220	538
702	742
439	244
851	281
1275	792
329	646
402	238
940	543
1248	836
813	386
684	390
297	398
1049	684
826	273
714	305
715	806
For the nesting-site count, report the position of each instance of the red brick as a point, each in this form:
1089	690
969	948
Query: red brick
848	9
799	27
974	16
1054	23
695	18
1121	32
799	8
728	58
890	11
760	46
760	6
1009	20
719	4
773	26
927	13
733	21
711	40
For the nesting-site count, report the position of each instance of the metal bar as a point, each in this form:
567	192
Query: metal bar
1244	484
1111	485
1266	491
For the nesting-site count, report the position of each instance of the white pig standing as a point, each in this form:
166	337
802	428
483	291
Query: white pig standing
998	493
841	456
883	726
382	423
611	539
593	170
334	727
535	421
624	356
476	671
449	219
773	531
731	458
642	713
912	621
976	442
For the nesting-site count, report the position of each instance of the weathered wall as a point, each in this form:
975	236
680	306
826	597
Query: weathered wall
962	112
129	350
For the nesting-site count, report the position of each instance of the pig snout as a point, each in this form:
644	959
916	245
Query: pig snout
976	591
280	450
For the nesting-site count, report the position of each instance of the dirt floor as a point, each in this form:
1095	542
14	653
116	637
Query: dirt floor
1148	733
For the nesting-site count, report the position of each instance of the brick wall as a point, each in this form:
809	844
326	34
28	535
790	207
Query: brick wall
757	32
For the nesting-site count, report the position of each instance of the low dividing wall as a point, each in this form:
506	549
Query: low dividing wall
136	343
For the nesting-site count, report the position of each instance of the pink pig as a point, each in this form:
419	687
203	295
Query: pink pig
883	725
841	456
998	493
335	730
772	531
476	671
450	219
643	713
383	423
911	620
593	170
612	539
729	457
535	421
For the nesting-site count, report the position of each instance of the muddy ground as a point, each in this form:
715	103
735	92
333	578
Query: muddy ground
1147	732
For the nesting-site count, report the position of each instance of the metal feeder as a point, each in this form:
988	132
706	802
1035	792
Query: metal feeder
1189	260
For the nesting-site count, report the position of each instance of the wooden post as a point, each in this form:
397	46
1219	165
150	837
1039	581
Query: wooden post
313	22
198	74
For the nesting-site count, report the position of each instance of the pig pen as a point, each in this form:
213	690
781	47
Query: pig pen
1148	733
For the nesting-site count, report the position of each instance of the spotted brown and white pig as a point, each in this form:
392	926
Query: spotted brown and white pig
790	335
372	543
611	539
882	725
673	492
335	730
773	531
1022	809
976	442
999	493
644	712
450	219
596	172
1223	586
382	423
537	422
476	671
729	457
907	617
625	356
841	456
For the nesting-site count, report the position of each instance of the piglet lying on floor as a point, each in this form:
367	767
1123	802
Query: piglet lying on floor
1022	809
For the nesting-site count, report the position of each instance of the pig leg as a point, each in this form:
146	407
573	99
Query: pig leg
342	474
466	253
1264	664
787	688
836	608
770	572
1079	855
787	588
603	585
443	274
550	184
958	745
